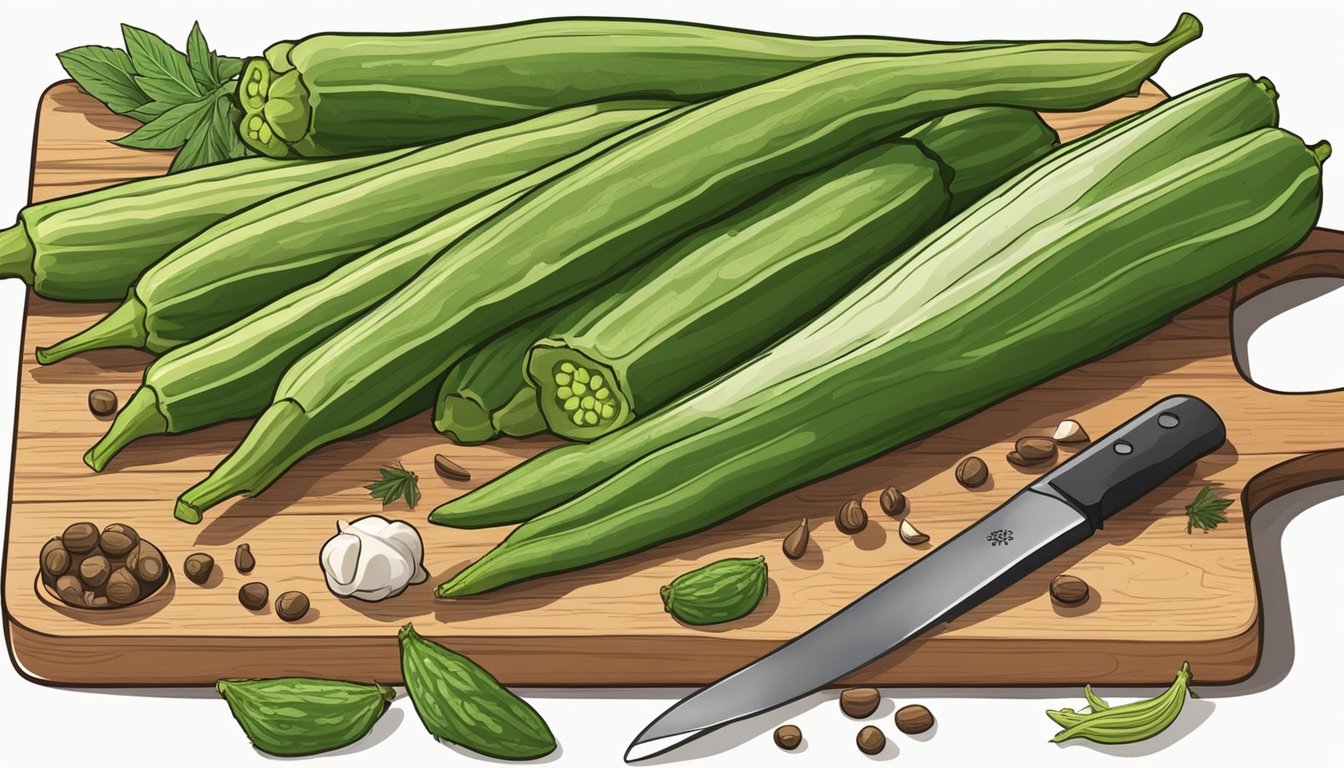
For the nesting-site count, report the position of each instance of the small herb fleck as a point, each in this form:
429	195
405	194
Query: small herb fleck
1206	511
396	482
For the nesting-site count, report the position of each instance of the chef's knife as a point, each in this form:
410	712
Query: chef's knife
1036	525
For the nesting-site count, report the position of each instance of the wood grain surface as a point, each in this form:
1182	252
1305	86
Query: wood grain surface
1159	596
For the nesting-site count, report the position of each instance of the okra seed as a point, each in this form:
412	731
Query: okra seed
563	378
254	123
596	382
564	393
608	411
602	394
590	417
252	89
577	418
581	375
252	134
588	402
572	404
567	367
265	133
579	388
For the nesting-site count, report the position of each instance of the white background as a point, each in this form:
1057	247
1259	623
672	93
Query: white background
1288	710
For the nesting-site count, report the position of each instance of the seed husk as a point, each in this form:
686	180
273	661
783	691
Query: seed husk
94	600
892	501
859	702
914	718
146	561
1068	589
253	595
851	518
972	472
871	740
1031	451
450	469
291	606
102	402
1070	431
912	535
93	571
80	538
122	587
118	540
788	737
795	544
198	567
70	590
55	559
243	559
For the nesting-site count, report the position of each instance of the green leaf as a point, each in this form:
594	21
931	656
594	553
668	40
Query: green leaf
200	60
397	482
224	126
107	75
227	67
169	130
161	70
1206	511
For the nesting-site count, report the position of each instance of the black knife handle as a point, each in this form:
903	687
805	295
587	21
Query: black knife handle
1136	457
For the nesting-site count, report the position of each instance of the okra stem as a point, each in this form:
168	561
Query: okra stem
1320	151
16	254
123	327
520	417
140	417
464	419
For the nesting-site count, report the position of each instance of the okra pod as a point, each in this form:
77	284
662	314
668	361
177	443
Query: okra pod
1197	120
92	246
1058	269
605	217
247	260
346	93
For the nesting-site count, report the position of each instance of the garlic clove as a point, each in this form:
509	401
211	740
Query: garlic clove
340	556
1070	431
911	535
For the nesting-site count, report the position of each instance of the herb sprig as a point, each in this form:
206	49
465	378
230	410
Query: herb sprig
396	482
185	99
1206	511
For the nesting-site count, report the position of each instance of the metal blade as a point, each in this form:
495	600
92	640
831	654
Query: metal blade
1027	531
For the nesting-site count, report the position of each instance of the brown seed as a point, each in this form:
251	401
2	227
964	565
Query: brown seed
795	544
243	559
70	590
93	571
117	540
859	702
253	595
55	559
146	562
95	601
972	472
198	566
1069	590
450	469
102	402
851	518
1070	431
123	588
1034	450
788	737
912	535
914	718
291	606
892	502
80	538
88	597
871	740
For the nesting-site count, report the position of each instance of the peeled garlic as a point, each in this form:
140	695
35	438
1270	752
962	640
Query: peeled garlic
1070	431
911	535
373	558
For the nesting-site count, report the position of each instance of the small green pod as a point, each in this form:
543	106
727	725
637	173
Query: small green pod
294	716
725	590
460	702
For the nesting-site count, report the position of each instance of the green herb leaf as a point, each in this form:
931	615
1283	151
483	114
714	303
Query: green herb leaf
227	67
396	482
200	60
1206	511
106	74
171	129
161	70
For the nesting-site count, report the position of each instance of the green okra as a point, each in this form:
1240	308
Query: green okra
1133	148
1124	723
604	218
92	246
231	373
725	590
247	260
1056	269
345	93
293	716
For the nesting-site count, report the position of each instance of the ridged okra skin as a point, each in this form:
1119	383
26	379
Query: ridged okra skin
92	246
1130	150
872	373
604	218
249	259
333	94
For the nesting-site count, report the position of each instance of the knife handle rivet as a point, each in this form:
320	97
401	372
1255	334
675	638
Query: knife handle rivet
1123	448
1168	421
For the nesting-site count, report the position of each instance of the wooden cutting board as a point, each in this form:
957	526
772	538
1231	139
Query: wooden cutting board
1159	596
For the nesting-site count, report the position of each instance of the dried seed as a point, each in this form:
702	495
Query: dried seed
93	571
70	590
892	502
859	702
122	587
1017	460
198	567
851	518
914	718
253	595
1035	450
1069	590
795	544
788	737
1070	431
451	469
146	562
243	559
972	472
912	535
80	538
102	402
117	540
94	601
55	559
291	606
871	740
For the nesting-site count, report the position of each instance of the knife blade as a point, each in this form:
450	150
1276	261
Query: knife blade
1040	522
